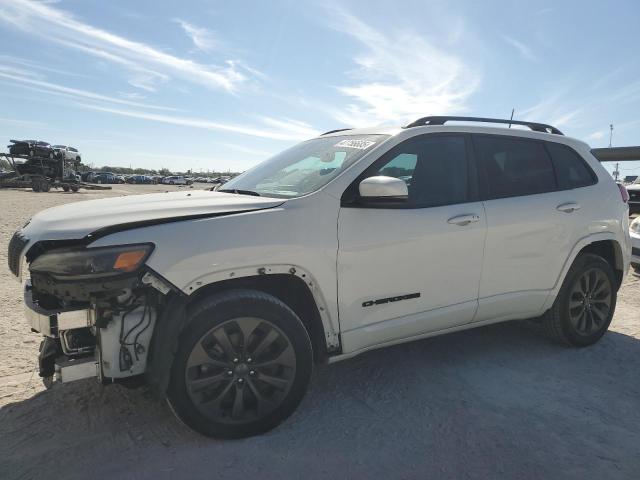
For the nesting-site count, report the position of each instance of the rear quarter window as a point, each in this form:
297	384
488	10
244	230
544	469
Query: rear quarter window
572	171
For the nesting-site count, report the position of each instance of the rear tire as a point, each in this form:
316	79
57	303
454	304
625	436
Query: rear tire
65	188
243	365
584	307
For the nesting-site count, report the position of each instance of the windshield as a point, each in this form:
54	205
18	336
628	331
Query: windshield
306	167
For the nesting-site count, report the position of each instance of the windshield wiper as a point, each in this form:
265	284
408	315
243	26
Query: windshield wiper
241	192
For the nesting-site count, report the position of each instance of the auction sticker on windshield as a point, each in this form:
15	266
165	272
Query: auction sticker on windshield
359	144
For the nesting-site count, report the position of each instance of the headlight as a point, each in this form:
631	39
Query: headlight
635	226
89	263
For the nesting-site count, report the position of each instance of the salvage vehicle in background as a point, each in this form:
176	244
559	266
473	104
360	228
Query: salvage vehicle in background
354	240
634	230
634	197
105	177
140	179
176	180
67	153
31	148
88	176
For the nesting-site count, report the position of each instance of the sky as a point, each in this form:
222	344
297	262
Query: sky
220	85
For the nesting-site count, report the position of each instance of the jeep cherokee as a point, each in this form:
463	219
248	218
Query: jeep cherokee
222	301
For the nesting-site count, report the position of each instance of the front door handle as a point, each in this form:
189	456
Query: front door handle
568	207
463	220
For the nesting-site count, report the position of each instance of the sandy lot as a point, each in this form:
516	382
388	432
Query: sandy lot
495	402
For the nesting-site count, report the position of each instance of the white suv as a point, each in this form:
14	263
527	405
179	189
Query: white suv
354	240
175	180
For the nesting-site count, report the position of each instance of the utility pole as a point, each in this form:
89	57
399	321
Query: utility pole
610	135
616	172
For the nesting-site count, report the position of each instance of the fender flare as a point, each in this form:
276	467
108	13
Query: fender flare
579	245
330	322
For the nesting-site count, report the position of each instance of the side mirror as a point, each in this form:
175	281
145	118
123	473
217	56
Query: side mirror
383	188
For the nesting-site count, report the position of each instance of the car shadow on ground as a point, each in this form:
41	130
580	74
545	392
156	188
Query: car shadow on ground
494	402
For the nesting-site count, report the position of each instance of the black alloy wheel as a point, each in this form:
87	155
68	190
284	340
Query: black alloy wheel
240	371
243	365
586	302
590	301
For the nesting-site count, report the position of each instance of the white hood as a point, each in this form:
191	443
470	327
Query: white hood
76	220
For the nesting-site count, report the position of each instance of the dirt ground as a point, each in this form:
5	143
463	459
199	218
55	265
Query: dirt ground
495	402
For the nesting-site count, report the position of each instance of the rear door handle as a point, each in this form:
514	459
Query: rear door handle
568	207
463	220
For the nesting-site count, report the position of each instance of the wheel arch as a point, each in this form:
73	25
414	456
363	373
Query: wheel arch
611	251
293	291
292	288
604	244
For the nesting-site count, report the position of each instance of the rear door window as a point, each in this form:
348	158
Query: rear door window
514	167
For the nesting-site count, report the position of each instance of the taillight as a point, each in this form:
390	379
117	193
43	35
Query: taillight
623	193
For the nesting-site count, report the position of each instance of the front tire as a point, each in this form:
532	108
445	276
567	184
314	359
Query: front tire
243	365
584	307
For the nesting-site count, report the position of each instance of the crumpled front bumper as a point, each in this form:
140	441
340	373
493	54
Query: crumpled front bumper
50	322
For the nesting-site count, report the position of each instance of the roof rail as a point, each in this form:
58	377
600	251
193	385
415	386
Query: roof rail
337	130
536	127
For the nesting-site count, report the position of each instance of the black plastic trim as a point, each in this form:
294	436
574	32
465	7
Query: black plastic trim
441	120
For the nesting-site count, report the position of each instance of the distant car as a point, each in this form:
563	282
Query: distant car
176	180
31	148
88	176
121	179
634	230
634	197
105	177
68	153
140	179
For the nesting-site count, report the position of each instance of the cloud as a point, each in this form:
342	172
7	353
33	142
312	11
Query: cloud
202	38
9	75
287	131
400	76
545	11
247	150
556	110
522	48
4	59
60	26
20	123
597	135
284	129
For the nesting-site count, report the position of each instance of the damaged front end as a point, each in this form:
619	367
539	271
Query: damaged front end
96	307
